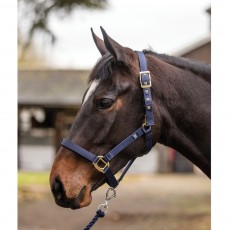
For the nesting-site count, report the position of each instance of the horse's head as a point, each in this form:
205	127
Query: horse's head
112	108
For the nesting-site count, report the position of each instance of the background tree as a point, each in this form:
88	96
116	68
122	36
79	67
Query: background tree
34	15
31	58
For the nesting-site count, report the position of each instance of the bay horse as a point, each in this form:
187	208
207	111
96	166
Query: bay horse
112	108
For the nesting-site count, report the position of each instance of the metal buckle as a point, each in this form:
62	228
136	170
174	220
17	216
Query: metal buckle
145	84
145	122
101	161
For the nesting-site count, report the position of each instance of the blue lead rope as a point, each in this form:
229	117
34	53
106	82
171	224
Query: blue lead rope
99	214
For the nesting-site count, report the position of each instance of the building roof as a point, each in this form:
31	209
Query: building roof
194	46
51	87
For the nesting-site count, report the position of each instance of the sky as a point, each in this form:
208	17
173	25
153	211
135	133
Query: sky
165	26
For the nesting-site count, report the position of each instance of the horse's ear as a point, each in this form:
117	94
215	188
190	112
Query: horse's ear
121	53
99	43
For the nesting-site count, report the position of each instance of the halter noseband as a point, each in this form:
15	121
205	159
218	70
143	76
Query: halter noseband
101	163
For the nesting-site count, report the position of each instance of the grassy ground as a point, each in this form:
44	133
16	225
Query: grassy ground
33	185
33	178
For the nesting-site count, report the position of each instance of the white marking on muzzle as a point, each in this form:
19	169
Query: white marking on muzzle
91	89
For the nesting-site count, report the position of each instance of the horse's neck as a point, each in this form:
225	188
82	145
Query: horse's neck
182	104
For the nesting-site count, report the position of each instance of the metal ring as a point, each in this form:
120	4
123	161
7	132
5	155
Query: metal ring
100	160
147	128
103	207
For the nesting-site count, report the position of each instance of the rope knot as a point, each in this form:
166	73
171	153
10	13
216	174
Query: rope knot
100	213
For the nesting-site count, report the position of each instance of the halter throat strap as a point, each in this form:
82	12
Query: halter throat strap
102	163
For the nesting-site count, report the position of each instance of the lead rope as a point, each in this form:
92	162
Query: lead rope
99	214
110	194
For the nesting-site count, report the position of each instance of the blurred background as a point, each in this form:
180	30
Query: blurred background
55	55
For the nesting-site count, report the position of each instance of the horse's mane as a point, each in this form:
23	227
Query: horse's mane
197	67
107	63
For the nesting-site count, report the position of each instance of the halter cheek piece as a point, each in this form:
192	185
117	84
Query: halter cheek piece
101	163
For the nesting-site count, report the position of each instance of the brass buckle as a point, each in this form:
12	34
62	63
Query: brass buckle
145	122
145	84
101	161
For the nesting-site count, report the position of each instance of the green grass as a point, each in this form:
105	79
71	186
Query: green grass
33	178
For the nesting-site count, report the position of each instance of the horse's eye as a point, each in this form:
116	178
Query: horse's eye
104	103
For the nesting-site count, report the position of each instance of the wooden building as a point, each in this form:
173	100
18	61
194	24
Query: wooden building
48	101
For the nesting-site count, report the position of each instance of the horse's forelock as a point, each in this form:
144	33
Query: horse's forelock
103	68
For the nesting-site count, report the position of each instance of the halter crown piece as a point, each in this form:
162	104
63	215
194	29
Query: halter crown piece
101	163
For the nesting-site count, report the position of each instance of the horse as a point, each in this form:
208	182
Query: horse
112	108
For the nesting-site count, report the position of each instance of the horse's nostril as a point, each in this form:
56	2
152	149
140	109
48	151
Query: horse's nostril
57	189
81	194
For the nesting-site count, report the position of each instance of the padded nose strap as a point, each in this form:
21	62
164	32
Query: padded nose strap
79	150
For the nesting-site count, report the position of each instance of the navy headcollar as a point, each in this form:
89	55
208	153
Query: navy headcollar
101	163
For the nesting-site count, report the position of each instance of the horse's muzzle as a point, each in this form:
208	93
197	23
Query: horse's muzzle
75	201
